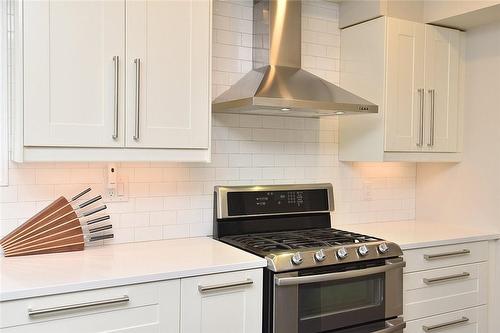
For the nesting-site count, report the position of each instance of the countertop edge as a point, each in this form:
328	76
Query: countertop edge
123	281
450	241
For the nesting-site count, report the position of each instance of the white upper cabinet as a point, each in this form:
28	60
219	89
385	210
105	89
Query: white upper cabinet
168	67
405	84
442	66
412	71
134	76
70	50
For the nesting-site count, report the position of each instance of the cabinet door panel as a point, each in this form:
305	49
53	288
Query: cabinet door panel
235	309
405	76
172	41
69	72
442	49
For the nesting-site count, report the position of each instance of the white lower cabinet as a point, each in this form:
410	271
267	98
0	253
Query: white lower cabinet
229	302
218	303
443	290
142	308
446	289
474	320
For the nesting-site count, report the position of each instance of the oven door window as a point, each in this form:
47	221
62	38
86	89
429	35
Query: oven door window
330	305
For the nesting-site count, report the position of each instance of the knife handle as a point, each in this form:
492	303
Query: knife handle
93	211
79	195
89	202
104	227
98	219
96	238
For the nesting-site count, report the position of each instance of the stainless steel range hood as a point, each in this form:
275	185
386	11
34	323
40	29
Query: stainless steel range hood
277	85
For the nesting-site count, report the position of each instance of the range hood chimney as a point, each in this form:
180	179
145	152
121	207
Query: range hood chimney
277	85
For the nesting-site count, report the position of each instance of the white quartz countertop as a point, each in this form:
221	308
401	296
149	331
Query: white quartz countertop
115	265
417	234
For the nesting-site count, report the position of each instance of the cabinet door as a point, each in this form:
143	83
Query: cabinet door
442	51
70	87
229	302
168	73
405	84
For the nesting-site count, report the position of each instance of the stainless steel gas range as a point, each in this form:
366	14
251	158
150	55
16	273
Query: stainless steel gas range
318	279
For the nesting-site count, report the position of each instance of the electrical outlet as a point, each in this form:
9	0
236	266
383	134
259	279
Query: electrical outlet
367	191
116	189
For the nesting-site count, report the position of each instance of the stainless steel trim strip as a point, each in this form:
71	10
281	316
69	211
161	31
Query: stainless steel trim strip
203	289
393	327
288	281
420	142
123	299
445	325
222	191
137	62
431	125
429	281
115	97
443	255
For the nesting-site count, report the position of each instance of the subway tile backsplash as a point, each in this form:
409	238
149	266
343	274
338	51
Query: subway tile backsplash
172	200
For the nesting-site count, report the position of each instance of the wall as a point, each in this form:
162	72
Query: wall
169	200
468	193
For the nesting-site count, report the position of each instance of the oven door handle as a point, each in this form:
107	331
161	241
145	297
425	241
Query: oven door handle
393	327
294	280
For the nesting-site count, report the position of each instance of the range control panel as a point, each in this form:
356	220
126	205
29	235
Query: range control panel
272	202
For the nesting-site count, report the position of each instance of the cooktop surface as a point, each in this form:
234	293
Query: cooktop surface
273	242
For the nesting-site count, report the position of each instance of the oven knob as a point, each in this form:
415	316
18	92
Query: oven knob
320	255
342	253
363	250
297	258
383	248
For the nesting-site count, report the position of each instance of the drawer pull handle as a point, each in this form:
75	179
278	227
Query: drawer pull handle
118	300
446	254
446	278
445	325
203	289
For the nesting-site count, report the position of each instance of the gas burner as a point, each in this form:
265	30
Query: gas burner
287	250
263	243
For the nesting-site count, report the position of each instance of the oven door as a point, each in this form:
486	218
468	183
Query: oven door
335	299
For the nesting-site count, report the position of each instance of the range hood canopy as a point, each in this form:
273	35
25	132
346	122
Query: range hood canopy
277	85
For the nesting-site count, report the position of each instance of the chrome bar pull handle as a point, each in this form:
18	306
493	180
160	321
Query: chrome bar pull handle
444	255
430	281
137	62
437	327
420	142
123	299
204	289
306	279
116	61
432	93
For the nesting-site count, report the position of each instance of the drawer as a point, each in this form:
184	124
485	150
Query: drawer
474	320
445	256
437	291
143	307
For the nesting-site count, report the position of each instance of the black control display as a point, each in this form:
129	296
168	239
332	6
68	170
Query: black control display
271	202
